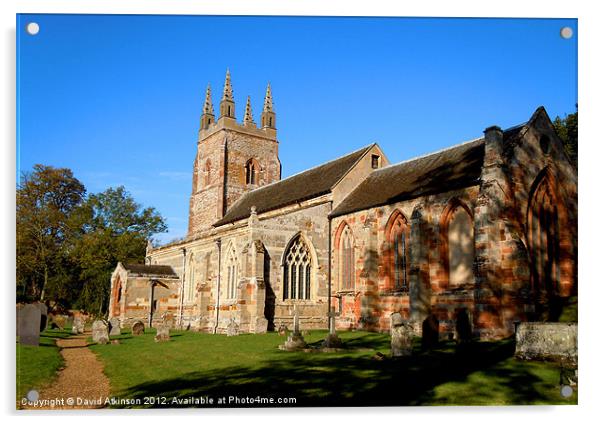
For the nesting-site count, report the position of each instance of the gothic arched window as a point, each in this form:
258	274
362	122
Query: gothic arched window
346	255
457	252
252	172
297	270
398	235
231	274
543	238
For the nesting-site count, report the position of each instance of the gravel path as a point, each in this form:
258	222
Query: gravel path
81	381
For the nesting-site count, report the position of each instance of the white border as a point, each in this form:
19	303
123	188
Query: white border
589	100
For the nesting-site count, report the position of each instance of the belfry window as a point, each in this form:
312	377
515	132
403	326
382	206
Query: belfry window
252	169
297	271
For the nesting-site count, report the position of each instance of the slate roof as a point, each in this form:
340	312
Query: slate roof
306	185
163	270
456	167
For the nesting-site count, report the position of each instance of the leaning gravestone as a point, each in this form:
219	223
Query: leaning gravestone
138	328
114	326
232	329
401	336
29	325
100	332
162	333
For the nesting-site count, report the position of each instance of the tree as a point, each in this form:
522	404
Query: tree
116	230
46	198
566	128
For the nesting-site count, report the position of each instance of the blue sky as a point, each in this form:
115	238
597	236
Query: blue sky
117	98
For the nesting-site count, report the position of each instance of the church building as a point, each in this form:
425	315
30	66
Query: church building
483	233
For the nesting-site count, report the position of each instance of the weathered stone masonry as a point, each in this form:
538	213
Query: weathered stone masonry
482	234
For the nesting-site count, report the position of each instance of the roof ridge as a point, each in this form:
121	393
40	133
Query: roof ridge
240	199
463	143
313	167
436	152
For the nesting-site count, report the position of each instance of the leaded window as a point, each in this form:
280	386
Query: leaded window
297	271
347	259
398	238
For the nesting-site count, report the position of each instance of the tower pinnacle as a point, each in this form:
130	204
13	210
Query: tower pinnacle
267	102
268	116
207	118
248	119
226	106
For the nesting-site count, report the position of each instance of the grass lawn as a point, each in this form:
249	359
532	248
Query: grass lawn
194	364
37	365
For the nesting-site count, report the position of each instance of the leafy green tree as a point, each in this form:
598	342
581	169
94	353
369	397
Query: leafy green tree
46	197
567	130
116	230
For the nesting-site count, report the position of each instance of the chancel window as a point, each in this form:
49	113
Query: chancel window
297	271
544	243
460	244
347	259
398	236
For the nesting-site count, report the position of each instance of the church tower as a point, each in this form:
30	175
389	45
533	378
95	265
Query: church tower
231	158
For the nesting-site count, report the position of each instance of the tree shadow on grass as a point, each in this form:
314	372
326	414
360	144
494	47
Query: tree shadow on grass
317	379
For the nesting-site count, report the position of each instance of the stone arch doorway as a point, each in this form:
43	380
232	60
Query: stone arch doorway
158	291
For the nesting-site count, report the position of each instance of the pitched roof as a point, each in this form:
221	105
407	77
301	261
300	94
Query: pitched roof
455	167
163	270
306	185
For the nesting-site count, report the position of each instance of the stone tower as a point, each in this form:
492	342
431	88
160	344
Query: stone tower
231	158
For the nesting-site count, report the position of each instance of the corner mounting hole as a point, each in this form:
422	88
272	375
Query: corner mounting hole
32	28
566	32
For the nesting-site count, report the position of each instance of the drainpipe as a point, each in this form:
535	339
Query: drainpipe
218	243
181	306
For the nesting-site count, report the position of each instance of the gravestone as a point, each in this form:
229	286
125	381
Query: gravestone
430	332
232	328
138	328
100	332
43	315
463	327
169	320
261	325
29	325
114	327
78	325
401	336
19	306
548	341
282	329
162	333
332	340
295	340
